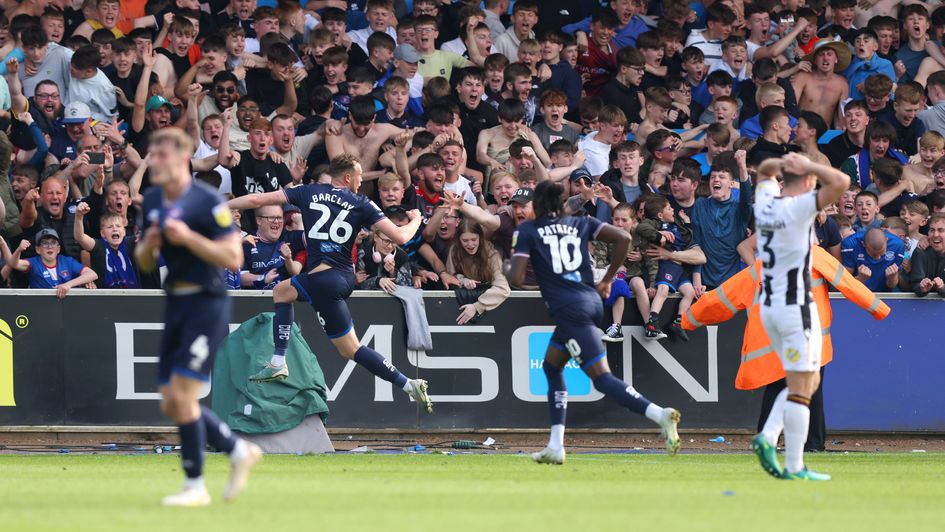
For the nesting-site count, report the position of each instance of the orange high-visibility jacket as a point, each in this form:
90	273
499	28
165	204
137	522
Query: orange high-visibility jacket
760	365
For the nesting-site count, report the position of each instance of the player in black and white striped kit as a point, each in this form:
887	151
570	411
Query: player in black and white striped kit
784	221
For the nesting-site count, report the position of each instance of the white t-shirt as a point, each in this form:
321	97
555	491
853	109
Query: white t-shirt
461	188
360	37
597	154
205	150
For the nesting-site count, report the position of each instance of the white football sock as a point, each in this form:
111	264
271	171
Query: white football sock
654	413
277	360
796	424
775	422
407	387
556	441
194	483
239	452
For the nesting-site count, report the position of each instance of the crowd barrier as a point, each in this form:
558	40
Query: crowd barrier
90	359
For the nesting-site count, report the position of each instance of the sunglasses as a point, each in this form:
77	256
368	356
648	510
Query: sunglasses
225	90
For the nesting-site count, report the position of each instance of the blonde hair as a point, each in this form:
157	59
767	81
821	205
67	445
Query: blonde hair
932	139
766	91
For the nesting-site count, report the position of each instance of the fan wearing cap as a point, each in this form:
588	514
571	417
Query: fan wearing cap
65	140
822	89
49	269
866	62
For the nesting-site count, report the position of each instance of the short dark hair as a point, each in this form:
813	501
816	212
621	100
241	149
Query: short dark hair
379	39
361	74
223	76
85	58
429	159
814	120
280	53
688	168
764	68
123	45
721	13
472	72
319	100
649	40
604	16
719	78
101	36
769	115
879	129
654	139
362	109
887	171
629	56
511	110
34	36
439	114
691	53
861	104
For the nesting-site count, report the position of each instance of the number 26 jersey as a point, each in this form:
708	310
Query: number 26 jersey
558	249
332	217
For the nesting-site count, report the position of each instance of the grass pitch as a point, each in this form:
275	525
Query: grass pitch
498	493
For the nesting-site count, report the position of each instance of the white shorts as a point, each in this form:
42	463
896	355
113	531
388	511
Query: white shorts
795	335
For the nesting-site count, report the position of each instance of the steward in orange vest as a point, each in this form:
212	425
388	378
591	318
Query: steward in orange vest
760	365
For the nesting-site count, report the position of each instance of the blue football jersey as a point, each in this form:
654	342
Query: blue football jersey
332	217
559	253
203	210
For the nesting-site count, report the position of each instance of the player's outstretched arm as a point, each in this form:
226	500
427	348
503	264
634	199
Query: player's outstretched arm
621	241
400	235
514	270
254	201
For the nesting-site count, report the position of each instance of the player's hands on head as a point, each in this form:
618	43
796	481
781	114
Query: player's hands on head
796	163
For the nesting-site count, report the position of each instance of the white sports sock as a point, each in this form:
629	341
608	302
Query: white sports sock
654	413
775	422
240	450
796	424
194	483
277	360
556	441
407	387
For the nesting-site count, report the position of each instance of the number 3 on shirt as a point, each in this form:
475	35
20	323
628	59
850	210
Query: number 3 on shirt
339	231
768	260
565	252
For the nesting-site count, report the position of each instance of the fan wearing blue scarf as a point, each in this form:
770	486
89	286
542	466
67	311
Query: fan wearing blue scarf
112	255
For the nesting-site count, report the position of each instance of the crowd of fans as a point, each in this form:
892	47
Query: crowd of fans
654	113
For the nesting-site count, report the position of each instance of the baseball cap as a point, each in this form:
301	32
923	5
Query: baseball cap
582	173
156	102
76	113
47	233
523	195
406	52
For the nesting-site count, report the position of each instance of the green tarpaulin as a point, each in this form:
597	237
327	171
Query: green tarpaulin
263	408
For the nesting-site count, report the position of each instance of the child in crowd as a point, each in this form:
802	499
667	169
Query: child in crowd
628	281
660	229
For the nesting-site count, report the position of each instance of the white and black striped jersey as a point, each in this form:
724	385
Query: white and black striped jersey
785	227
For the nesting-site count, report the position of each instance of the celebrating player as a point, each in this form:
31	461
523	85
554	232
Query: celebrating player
558	249
191	227
785	224
332	215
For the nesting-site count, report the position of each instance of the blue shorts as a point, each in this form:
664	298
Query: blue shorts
672	274
194	328
619	288
327	291
576	332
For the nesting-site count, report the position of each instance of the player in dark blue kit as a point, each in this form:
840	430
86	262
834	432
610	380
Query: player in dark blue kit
190	226
332	214
558	249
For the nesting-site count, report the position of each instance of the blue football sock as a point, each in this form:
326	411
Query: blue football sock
218	433
621	392
372	361
193	439
282	327
557	393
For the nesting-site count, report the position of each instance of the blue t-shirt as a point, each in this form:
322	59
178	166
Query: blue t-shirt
332	218
265	256
558	249
911	59
203	210
65	270
853	254
718	227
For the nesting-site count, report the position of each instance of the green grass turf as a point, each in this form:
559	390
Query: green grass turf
490	493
